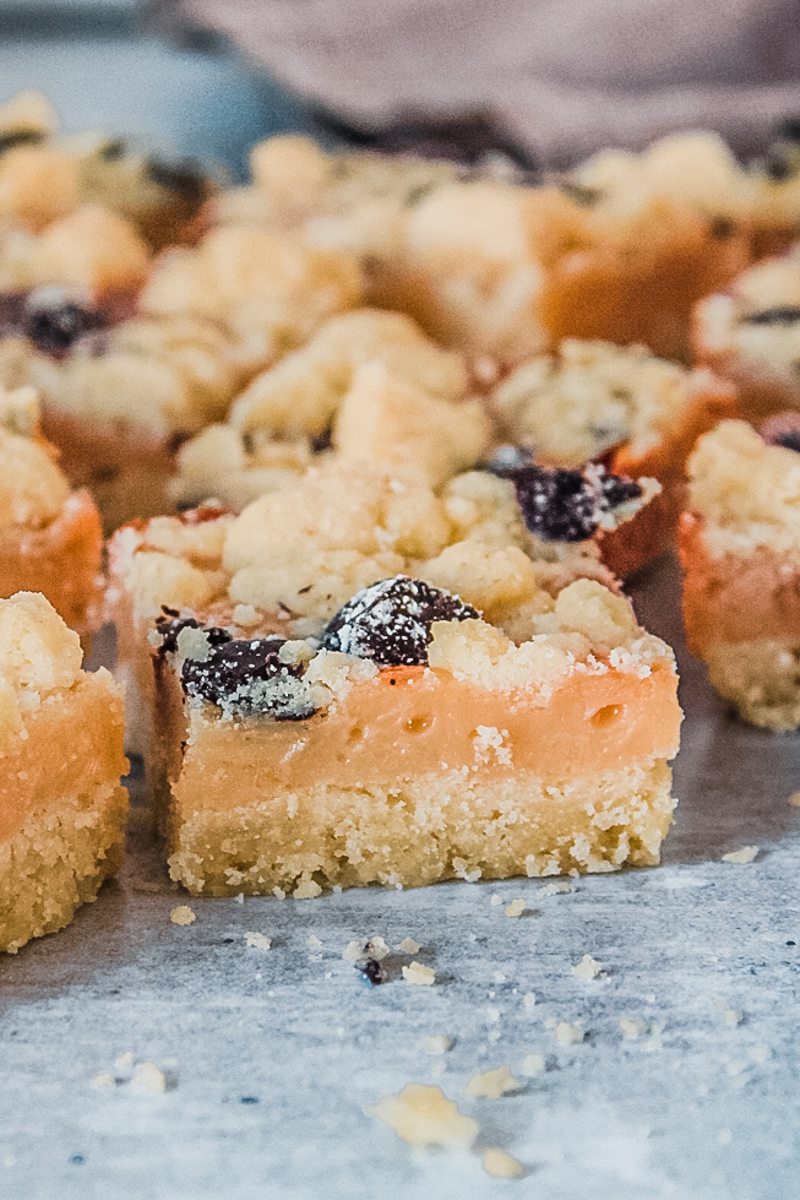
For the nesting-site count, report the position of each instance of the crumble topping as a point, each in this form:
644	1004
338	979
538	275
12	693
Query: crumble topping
515	909
437	1043
390	621
588	968
33	489
257	941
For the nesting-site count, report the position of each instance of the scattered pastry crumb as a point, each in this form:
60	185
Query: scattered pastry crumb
495	900
374	947
308	889
587	968
257	941
492	1084
794	799
501	1165
424	1116
183	915
313	942
103	1079
529	1000
417	973
560	888
533	1064
567	1034
632	1027
737	1066
760	1054
409	946
725	1137
492	1014
148	1077
437	1043
124	1061
741	857
516	908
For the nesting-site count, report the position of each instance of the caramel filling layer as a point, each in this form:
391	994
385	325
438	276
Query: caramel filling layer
70	746
411	721
736	598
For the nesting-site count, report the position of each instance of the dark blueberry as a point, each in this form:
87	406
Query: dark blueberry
564	505
790	440
170	624
323	440
77	1160
372	970
390	622
249	1100
19	137
782	314
187	179
246	676
55	326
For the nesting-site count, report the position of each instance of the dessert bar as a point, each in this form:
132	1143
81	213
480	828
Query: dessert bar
740	550
62	808
357	681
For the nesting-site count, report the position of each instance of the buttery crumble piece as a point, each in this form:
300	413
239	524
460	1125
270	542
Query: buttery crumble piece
516	908
500	1164
102	1080
588	968
741	857
409	946
567	1034
417	973
148	1077
183	915
437	1043
492	1084
533	1064
794	800
257	941
632	1027
424	1116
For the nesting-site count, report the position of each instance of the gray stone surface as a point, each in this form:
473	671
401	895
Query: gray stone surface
274	1055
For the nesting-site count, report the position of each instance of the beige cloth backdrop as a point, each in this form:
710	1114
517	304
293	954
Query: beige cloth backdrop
564	76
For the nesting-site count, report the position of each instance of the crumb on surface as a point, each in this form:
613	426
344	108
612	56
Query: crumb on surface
529	1000
183	915
257	941
533	1064
124	1061
559	888
409	946
495	900
437	1043
424	1116
148	1077
417	973
500	1164
307	889
794	799
567	1034
492	1084
103	1079
742	856
632	1027
587	968
516	908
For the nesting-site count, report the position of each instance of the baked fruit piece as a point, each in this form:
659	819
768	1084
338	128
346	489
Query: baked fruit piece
740	550
358	681
750	334
62	808
44	175
638	414
50	536
495	266
368	387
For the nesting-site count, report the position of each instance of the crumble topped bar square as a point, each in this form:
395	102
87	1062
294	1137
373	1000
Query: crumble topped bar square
62	809
358	680
740	551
